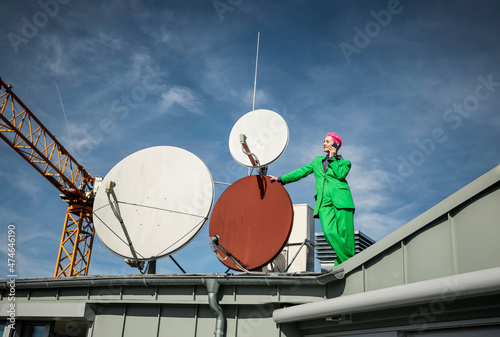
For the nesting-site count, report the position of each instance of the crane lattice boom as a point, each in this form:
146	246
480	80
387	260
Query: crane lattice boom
22	130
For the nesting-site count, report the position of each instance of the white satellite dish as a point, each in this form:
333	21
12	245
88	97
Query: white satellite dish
163	194
265	134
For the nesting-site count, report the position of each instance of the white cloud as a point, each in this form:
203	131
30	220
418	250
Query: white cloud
112	41
57	56
261	98
83	139
139	62
179	96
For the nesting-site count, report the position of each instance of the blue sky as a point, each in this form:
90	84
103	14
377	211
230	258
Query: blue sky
412	87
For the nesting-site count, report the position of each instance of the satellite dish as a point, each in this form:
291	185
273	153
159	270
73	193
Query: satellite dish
251	223
264	132
163	194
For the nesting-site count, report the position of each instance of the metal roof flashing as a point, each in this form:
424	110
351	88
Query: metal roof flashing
484	282
147	280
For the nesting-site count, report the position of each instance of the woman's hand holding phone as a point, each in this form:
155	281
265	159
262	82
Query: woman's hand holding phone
333	150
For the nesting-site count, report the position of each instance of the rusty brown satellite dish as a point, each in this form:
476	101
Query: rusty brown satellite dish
251	223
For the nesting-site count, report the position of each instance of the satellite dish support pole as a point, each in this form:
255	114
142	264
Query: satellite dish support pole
116	211
253	158
306	241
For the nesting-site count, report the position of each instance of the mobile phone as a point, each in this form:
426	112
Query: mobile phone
336	146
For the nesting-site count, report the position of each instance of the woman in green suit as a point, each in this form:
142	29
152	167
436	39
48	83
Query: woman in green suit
333	201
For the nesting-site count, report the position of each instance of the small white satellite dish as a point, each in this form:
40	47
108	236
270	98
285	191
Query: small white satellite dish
163	194
258	138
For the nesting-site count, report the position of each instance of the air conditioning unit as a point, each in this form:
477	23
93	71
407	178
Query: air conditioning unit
279	264
298	253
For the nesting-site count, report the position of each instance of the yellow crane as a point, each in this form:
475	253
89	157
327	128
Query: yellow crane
22	130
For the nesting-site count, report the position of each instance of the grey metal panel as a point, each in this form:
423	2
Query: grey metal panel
141	321
57	309
386	270
429	253
231	314
227	294
205	325
139	293
178	320
256	294
256	321
477	230
355	283
109	321
73	294
201	294
199	321
178	294
43	294
105	293
300	293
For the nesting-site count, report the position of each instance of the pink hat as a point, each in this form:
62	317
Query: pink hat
336	138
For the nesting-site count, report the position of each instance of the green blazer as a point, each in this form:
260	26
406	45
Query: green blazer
332	181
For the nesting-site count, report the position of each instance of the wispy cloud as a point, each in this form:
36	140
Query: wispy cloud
22	182
176	97
112	41
56	56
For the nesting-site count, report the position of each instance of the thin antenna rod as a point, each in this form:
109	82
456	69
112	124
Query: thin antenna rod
256	62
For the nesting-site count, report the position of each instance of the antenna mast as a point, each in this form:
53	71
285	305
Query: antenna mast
256	62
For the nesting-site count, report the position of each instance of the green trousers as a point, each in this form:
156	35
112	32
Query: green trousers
338	227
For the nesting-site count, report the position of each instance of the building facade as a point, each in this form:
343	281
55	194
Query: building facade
438	275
